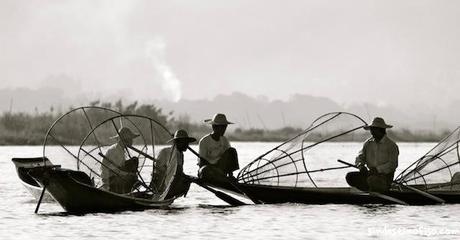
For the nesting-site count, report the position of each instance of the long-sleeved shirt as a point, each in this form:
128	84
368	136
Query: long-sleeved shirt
168	164
169	177
381	155
113	161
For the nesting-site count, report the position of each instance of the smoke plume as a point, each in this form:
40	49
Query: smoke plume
170	84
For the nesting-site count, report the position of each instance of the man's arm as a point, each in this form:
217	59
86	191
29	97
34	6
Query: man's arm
203	153
361	158
160	169
392	163
109	164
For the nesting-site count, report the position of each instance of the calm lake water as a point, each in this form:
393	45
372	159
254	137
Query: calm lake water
202	216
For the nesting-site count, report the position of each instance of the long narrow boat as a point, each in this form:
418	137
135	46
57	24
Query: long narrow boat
332	195
289	172
78	142
76	193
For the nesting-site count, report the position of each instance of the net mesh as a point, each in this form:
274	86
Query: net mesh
81	138
439	168
298	162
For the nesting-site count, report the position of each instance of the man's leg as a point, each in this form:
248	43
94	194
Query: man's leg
211	173
130	166
179	187
358	180
380	182
229	162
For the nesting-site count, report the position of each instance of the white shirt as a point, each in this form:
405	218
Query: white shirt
382	155
114	159
211	150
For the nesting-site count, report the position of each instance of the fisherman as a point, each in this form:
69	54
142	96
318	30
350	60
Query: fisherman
217	158
168	177
377	161
118	174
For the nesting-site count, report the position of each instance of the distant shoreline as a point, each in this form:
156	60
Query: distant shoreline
21	129
236	136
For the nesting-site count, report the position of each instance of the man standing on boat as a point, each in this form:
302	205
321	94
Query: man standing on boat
118	174
377	161
217	158
168	177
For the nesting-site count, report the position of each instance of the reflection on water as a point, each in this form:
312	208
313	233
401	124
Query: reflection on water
221	210
379	209
202	216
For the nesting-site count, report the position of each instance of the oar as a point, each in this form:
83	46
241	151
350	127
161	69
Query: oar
376	194
224	197
40	199
141	153
45	183
256	201
423	193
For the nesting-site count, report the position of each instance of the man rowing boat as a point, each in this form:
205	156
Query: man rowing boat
118	174
217	158
168	177
377	161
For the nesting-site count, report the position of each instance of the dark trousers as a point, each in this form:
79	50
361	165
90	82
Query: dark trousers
124	184
179	187
229	161
365	181
224	167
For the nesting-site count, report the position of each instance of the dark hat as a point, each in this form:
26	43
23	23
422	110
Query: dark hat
182	134
378	122
218	119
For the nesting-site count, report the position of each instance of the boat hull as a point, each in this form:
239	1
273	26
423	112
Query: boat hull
73	190
23	165
344	195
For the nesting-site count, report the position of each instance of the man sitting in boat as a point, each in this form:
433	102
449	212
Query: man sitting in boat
118	174
168	178
377	161
217	158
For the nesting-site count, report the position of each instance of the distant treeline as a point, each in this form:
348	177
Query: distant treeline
30	129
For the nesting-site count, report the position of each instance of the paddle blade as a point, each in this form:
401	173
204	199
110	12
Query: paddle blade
222	196
388	198
229	199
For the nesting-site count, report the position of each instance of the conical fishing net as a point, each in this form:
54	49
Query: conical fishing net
439	168
300	162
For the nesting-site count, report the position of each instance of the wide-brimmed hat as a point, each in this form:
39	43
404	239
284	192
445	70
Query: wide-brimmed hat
218	119
378	122
182	134
125	133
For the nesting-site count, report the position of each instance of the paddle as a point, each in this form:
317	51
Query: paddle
40	199
141	153
376	194
45	182
224	197
423	193
235	186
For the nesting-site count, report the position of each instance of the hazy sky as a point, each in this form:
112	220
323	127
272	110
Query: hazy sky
384	52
